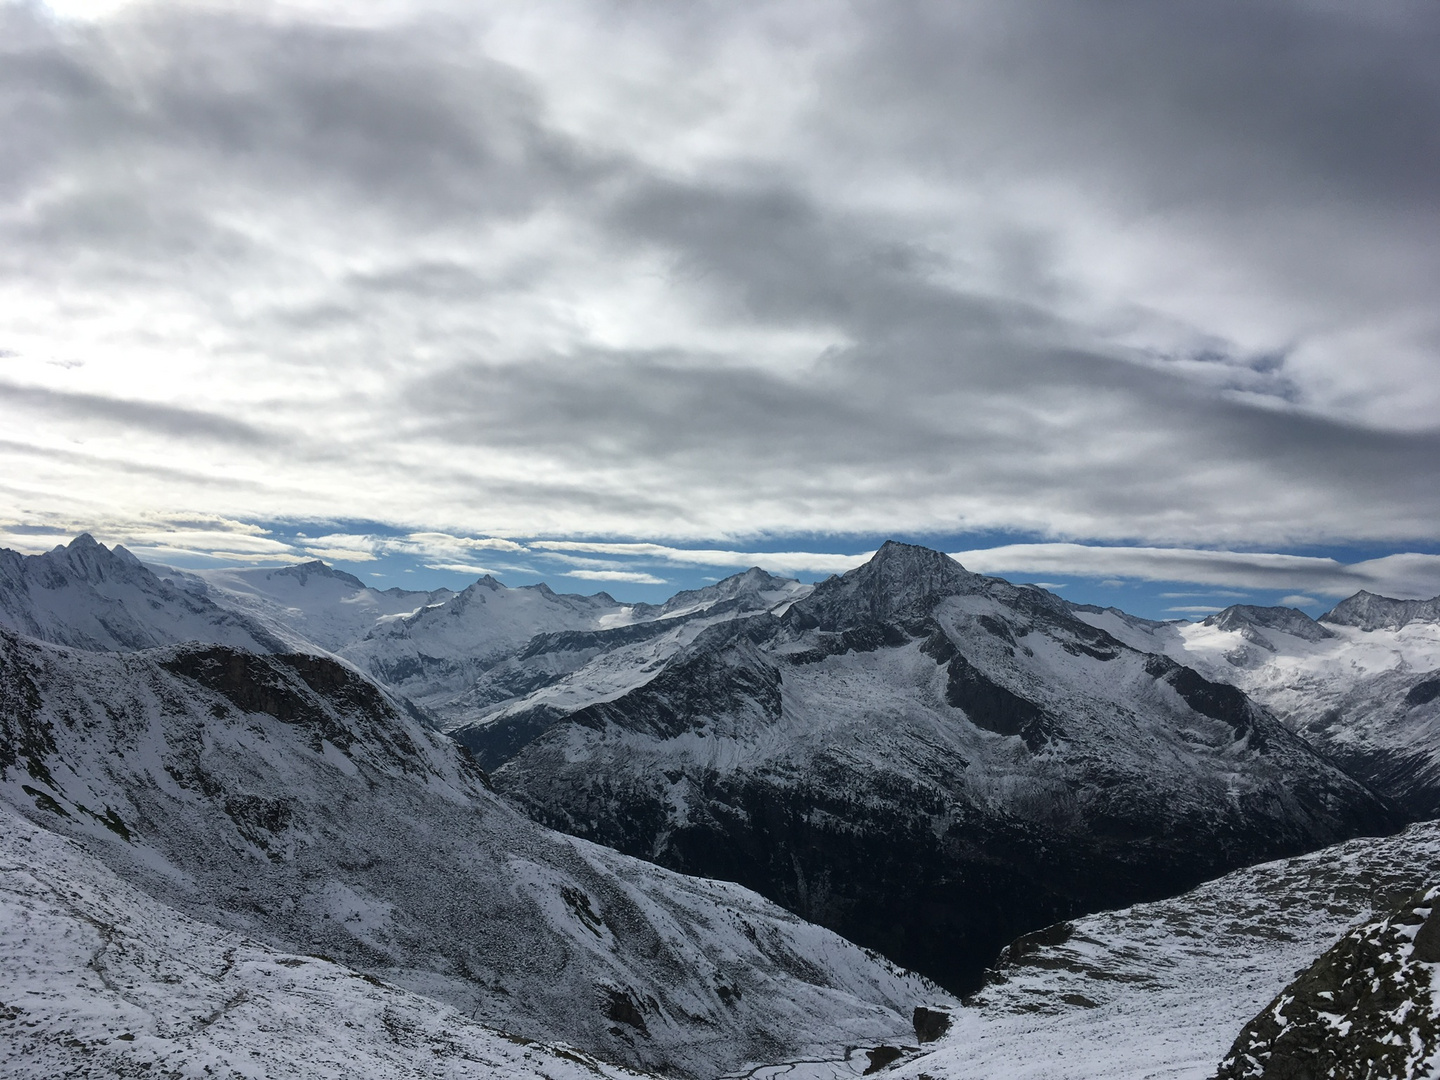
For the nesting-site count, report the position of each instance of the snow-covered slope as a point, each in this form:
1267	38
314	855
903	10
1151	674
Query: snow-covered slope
466	658
1360	684
1366	1007
102	981
92	597
309	603
931	762
1161	990
286	798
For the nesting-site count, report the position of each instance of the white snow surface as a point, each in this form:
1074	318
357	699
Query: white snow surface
1160	991
91	597
100	980
311	603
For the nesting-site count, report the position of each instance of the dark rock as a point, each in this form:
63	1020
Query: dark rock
930	1024
880	1057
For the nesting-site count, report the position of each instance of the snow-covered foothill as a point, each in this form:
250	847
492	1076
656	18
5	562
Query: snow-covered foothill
1366	1007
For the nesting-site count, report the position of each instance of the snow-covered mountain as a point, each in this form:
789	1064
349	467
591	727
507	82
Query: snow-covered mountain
309	603
92	597
286	798
101	981
1361	684
465	658
1367	1007
928	761
1163	989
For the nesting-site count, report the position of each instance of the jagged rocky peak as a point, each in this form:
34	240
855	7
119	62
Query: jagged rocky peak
1367	611
900	581
1285	620
302	572
1366	1007
86	559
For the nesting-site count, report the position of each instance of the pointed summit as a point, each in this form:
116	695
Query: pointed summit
899	581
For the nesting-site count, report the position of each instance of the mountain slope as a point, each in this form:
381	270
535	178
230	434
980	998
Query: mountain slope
91	597
310	602
464	659
931	762
101	981
287	798
1357	684
1366	1007
1162	989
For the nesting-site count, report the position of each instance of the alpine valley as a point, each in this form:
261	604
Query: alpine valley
270	822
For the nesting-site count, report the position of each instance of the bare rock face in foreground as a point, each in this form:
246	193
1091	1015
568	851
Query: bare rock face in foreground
1365	1008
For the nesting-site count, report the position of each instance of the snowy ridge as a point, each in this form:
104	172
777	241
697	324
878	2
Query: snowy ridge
310	604
101	981
480	653
92	597
930	762
1357	692
1368	611
1162	989
286	798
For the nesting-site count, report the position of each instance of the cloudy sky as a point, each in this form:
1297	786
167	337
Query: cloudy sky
636	293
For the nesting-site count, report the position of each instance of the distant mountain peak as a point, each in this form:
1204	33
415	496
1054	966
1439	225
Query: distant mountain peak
1286	620
1369	611
302	572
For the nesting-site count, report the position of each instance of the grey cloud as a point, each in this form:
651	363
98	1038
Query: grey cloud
169	155
1198	99
1409	575
156	418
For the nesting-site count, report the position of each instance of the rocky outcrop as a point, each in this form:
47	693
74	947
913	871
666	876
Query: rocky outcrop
1365	1008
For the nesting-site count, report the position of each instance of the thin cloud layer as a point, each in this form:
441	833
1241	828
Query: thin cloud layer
1120	273
1407	575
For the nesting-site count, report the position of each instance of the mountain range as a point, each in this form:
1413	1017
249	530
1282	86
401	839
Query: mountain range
930	762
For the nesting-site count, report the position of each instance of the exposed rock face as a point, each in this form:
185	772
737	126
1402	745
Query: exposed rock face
930	1024
1365	691
1365	1008
1368	611
933	762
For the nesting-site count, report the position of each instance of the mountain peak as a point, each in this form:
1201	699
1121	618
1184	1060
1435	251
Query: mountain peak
302	572
1285	620
1369	611
899	580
